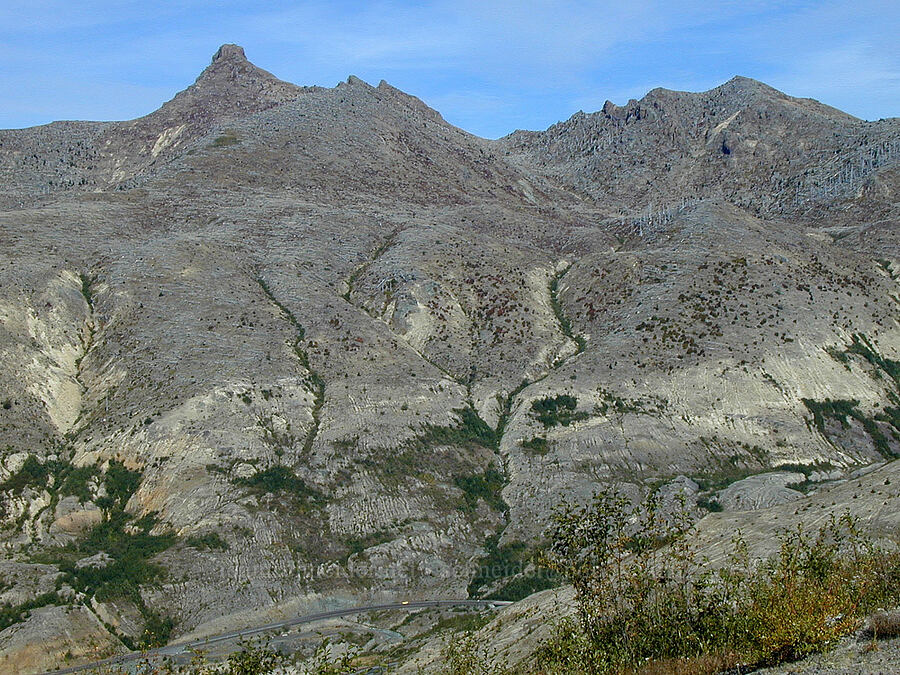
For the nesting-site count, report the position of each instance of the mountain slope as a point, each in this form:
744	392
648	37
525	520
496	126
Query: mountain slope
274	346
743	141
67	155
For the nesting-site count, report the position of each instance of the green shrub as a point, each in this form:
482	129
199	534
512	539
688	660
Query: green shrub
281	480
565	325
724	476
120	483
513	561
862	346
639	603
536	446
226	139
526	584
557	410
130	550
32	474
59	477
13	614
412	458
126	540
498	562
468	655
86	291
471	430
710	504
462	622
487	486
157	629
841	409
76	481
359	544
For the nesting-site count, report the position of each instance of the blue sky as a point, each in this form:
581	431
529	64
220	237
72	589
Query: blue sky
488	67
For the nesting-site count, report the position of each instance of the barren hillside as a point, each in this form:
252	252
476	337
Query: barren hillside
274	346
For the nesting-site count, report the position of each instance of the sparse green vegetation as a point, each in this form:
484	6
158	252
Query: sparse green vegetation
806	469
536	446
611	403
227	138
129	551
279	439
498	562
468	655
487	486
831	409
526	584
565	324
885	265
13	614
732	470
471	430
396	465
461	622
842	409
314	379
862	346
359	544
32	474
722	478
377	253
734	467
59	477
513	561
126	542
254	657
710	504
86	291
640	605
157	628
120	483
557	410
281	480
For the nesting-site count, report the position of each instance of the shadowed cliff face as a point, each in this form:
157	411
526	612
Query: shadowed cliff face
297	347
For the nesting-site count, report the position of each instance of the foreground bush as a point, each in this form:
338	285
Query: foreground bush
648	602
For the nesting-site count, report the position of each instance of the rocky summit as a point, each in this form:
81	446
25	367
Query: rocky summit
273	349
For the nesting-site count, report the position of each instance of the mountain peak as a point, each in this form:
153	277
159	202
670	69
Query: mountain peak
230	52
747	82
230	63
230	87
231	76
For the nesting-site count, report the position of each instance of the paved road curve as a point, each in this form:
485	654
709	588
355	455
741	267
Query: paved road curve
182	647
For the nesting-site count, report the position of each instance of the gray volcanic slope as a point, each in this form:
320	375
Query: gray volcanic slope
274	346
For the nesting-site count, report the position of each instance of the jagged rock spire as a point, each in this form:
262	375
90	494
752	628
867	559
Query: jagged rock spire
229	52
